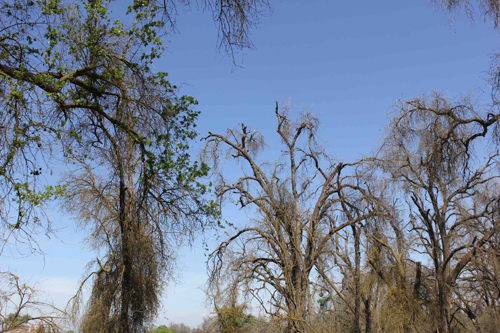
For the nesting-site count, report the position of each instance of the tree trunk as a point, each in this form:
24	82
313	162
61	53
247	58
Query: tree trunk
418	280
297	314
357	286
443	306
297	305
368	315
126	259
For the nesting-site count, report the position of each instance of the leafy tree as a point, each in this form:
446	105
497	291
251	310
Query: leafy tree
137	191
76	80
163	329
58	60
232	319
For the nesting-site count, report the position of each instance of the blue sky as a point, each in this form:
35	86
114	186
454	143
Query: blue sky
349	61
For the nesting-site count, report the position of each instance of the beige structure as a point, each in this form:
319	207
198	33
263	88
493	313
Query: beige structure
28	329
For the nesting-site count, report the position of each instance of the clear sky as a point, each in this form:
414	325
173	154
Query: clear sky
349	60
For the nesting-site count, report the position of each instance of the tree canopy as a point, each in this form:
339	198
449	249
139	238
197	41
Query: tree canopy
77	87
404	240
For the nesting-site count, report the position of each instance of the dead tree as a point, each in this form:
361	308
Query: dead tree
22	305
300	204
451	197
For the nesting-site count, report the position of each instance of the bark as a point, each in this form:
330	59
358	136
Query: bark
418	280
443	306
368	315
357	282
473	319
126	256
299	278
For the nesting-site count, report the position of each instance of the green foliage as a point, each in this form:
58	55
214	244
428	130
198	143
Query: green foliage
163	329
78	81
77	85
75	67
232	319
323	302
15	320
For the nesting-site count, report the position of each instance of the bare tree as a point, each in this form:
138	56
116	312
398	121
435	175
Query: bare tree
451	197
234	18
343	259
301	205
368	271
21	304
489	8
